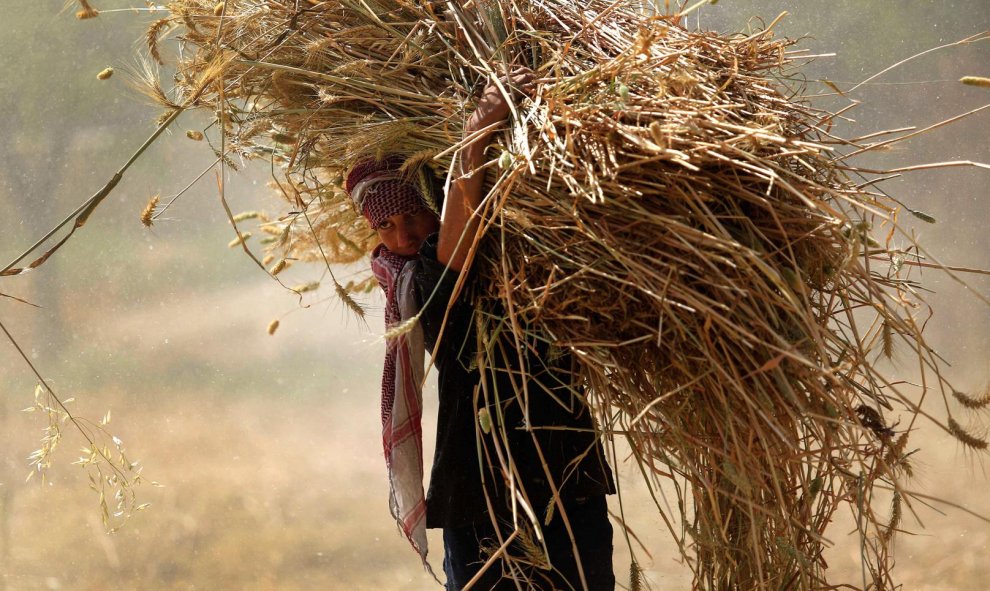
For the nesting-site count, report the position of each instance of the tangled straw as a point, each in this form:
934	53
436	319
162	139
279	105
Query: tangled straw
666	207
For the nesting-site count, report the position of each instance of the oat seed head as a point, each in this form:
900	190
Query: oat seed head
980	81
306	287
965	437
241	238
973	402
148	213
86	11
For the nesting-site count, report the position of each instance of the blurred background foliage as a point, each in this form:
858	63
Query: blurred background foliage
268	446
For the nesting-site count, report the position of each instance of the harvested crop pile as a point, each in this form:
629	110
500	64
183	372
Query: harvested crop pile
666	206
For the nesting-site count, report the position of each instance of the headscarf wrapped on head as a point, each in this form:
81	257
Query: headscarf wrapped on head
380	192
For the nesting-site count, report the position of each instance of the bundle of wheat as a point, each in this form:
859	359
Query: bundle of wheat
666	207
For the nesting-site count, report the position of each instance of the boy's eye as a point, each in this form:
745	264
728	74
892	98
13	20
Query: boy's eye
385	225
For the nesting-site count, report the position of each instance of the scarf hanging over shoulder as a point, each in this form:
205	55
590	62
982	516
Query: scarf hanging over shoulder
402	398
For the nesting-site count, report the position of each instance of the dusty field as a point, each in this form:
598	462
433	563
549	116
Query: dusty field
269	447
264	495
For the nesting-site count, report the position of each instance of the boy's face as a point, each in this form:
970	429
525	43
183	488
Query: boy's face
404	233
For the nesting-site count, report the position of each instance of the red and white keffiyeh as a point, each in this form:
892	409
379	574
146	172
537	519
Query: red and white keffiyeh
379	191
402	398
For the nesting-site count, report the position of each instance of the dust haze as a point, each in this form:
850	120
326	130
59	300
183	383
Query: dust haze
268	447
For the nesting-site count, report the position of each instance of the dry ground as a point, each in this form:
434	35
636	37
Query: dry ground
261	495
273	472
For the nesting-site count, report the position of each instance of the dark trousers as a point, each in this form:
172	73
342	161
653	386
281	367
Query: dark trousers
466	549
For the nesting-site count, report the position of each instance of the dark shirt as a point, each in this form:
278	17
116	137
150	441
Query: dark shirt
559	447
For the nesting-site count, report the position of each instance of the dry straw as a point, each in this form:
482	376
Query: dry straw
666	207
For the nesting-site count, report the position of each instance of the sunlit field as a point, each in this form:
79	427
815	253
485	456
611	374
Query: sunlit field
258	496
267	449
286	489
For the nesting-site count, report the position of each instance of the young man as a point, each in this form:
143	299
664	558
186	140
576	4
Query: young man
515	443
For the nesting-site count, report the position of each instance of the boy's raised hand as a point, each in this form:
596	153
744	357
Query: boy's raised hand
493	106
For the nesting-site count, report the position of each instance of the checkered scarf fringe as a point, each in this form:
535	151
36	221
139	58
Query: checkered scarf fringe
402	399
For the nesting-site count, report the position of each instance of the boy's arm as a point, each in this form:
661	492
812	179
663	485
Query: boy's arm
458	218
